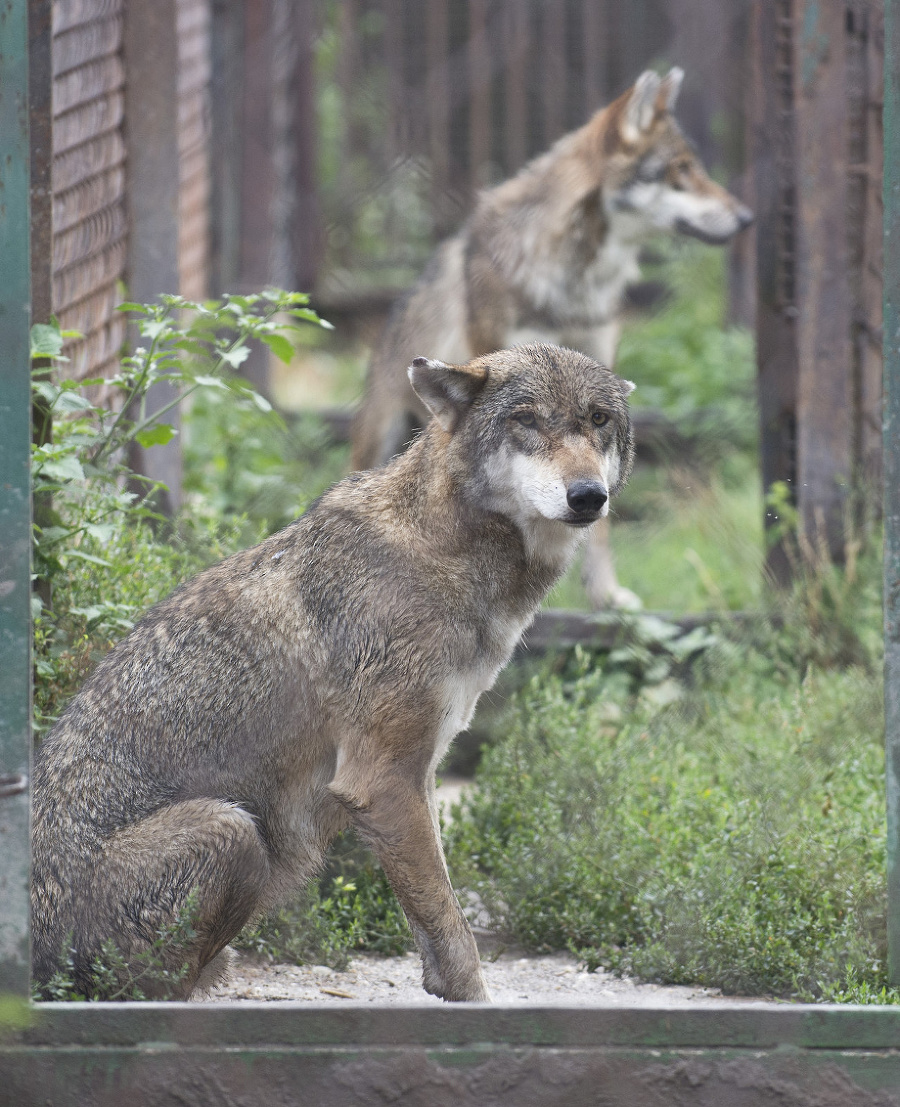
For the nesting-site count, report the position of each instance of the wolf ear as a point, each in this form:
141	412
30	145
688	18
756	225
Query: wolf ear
641	106
669	87
446	390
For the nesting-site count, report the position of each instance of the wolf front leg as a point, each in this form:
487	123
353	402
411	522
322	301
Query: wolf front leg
397	817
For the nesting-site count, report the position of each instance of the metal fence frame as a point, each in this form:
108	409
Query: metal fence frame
272	1053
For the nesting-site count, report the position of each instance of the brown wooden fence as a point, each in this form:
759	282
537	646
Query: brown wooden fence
212	145
815	143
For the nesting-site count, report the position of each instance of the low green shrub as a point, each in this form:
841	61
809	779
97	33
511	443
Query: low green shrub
730	835
352	907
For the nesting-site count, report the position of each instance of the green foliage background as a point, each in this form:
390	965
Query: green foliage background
693	809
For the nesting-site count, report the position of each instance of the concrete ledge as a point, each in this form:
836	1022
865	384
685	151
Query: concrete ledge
275	1055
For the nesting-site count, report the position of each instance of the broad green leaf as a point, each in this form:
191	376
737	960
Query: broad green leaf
157	435
61	468
103	532
46	340
211	382
235	357
280	346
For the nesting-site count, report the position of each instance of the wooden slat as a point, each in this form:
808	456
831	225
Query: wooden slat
515	85
192	29
90	159
437	92
770	138
553	69
75	13
824	396
89	237
87	43
593	39
80	86
479	66
95	117
80	279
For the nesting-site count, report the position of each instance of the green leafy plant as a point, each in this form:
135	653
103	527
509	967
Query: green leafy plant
352	907
116	977
100	549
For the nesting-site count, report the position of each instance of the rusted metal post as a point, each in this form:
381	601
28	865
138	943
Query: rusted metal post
15	502
892	471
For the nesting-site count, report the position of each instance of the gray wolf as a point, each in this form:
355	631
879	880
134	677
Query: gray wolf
316	680
548	255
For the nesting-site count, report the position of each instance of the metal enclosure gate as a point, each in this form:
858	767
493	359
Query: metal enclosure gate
159	1054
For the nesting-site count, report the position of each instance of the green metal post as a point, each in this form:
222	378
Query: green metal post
15	500
892	471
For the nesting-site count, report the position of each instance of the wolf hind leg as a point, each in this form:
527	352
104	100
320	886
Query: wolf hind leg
202	855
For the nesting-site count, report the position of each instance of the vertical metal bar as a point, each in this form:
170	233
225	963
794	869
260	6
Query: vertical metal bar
15	502
892	471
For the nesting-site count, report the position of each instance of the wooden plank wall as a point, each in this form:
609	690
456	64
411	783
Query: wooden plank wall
815	147
192	28
80	198
439	100
90	220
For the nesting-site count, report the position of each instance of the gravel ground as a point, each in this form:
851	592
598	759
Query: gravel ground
512	978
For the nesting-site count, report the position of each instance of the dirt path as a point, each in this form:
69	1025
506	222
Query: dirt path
512	978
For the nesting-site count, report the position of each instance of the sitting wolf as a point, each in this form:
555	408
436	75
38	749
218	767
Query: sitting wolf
549	254
316	680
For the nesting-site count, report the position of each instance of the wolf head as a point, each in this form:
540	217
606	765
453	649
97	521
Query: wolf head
654	180
537	433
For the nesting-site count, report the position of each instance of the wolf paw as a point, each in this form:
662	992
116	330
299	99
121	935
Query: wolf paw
617	598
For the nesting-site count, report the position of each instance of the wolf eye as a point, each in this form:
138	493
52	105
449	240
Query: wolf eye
526	418
600	418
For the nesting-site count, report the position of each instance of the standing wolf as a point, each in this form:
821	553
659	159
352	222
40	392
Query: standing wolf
549	253
317	680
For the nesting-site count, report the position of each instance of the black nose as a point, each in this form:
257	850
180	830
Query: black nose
745	216
586	496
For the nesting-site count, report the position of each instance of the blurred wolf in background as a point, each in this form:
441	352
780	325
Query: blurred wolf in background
548	255
316	681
